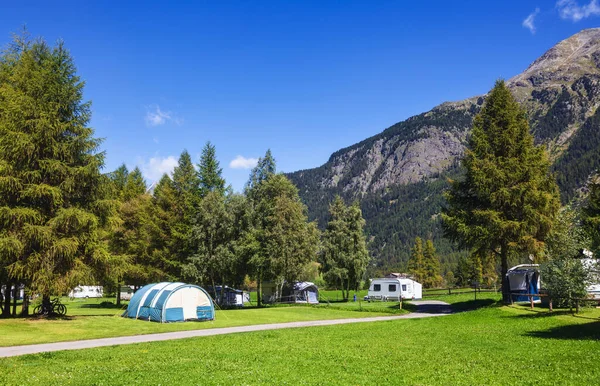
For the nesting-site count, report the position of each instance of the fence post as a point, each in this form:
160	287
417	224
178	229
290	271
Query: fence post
531	301
576	306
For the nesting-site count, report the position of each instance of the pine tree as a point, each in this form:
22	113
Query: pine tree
416	264
508	201
209	172
52	201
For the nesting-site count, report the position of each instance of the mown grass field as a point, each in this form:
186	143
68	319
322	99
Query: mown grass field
492	345
98	318
89	319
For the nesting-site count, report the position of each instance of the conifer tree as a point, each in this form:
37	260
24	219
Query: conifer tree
288	241
590	216
186	199
431	266
119	179
52	194
265	168
344	256
165	217
135	185
416	264
507	202
209	172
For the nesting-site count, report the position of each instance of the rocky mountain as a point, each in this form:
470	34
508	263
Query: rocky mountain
399	175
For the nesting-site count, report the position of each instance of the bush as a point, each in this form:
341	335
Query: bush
565	280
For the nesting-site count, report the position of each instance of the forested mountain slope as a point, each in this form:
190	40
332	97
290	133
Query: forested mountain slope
399	175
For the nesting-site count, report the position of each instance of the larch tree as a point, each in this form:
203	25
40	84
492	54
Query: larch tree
166	244
213	235
416	263
186	189
252	246
53	196
288	241
508	200
344	255
431	266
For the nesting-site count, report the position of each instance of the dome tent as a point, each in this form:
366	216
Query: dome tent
170	302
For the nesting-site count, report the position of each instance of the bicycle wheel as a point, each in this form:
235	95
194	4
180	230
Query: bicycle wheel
61	309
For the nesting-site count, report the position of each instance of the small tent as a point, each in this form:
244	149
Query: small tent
230	297
170	302
297	292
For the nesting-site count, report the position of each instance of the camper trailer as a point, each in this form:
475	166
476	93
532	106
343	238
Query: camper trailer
393	289
86	291
524	279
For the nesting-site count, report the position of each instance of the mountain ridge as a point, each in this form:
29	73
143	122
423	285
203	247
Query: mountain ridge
392	173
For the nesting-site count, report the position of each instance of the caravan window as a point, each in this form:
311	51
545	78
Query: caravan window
403	287
376	287
392	288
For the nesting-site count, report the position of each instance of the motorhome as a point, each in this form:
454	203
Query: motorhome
86	291
392	289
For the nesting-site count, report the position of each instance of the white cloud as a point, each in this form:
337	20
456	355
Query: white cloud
155	167
528	22
571	10
156	117
241	162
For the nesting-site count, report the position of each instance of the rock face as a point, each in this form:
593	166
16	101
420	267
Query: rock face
561	93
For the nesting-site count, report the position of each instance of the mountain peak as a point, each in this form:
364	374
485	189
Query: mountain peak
564	62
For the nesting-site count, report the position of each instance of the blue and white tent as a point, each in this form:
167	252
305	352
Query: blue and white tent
171	302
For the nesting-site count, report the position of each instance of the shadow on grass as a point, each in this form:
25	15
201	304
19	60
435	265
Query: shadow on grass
471	305
587	331
105	305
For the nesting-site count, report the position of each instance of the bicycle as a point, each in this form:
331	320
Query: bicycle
50	308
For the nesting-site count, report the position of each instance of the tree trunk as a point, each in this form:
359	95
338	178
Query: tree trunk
7	293
118	292
503	271
222	294
15	296
259	289
46	303
25	306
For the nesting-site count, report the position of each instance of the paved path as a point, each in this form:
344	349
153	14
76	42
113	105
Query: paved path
424	310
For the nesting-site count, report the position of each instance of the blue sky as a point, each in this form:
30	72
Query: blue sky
299	77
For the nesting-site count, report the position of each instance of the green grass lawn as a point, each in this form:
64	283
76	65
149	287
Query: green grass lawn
492	345
89	319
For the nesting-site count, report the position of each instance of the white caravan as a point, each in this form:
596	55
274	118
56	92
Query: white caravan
392	289
86	291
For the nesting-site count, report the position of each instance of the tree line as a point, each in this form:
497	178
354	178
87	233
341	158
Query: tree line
64	223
